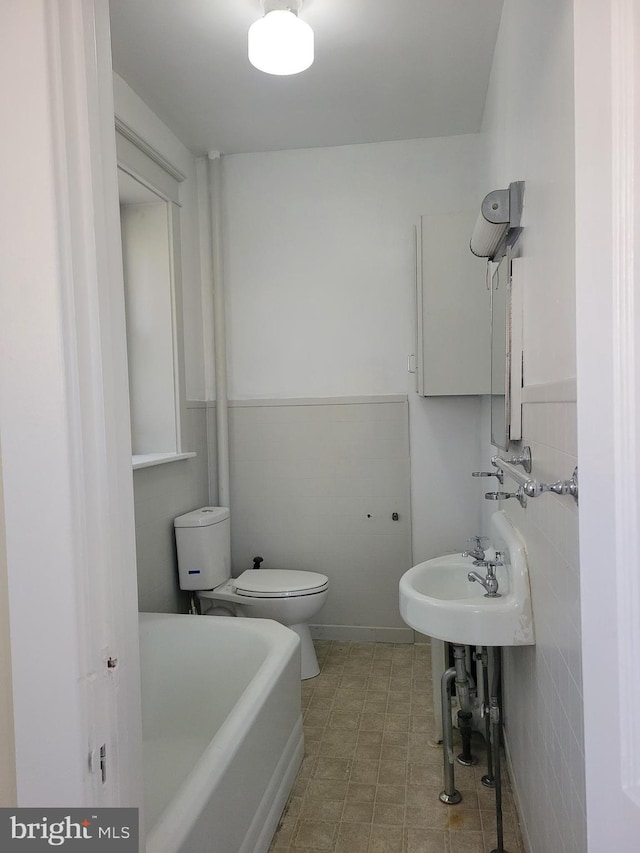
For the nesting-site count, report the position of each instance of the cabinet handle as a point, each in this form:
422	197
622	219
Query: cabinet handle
411	363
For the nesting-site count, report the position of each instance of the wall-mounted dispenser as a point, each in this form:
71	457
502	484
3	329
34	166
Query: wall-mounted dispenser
498	224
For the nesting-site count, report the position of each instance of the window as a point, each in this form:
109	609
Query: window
151	257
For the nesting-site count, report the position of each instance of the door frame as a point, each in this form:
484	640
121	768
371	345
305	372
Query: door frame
64	414
607	112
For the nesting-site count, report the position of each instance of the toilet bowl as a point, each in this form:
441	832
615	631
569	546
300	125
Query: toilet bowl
287	596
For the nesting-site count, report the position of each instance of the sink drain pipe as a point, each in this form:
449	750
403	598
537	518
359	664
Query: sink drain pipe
458	672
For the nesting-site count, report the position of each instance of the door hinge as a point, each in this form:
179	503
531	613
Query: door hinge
98	761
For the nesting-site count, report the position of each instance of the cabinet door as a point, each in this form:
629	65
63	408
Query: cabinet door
453	309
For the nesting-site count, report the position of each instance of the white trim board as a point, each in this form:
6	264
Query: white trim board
320	401
362	634
562	391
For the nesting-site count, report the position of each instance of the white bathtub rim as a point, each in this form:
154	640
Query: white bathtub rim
173	826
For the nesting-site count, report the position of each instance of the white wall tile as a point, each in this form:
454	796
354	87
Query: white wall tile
542	684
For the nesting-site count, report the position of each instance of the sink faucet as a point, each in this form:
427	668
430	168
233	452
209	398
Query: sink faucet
478	552
490	582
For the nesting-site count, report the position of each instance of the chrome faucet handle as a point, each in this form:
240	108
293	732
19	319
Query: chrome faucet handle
490	565
498	474
500	496
478	539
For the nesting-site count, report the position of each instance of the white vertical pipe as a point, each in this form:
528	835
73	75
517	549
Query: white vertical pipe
222	418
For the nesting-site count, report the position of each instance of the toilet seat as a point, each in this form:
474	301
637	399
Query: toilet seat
279	583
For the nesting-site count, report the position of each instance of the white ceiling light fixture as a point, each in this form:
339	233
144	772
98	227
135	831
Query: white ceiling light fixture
280	43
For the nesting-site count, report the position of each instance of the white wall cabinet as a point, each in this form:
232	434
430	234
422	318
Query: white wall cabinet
453	309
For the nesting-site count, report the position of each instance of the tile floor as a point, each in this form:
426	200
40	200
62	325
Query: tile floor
370	779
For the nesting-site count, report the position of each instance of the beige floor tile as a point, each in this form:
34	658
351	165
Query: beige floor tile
425	774
356	812
379	682
467	842
392	773
370	780
431	814
425	841
353	838
365	771
353	682
388	814
464	818
332	768
419	795
394	753
395	738
375	703
372	721
391	794
383	651
319	835
326	789
330	749
318	702
370	737
361	792
386	839
325	810
316	719
396	722
344	720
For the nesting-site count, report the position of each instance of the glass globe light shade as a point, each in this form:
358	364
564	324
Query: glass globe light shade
280	43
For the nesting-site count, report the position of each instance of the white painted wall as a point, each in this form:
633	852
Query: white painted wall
529	133
319	262
319	271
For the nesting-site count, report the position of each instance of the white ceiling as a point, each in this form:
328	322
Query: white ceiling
384	70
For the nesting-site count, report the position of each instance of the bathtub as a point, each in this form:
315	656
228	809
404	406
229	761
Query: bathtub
221	731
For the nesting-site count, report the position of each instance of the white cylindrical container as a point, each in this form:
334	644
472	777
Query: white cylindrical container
203	542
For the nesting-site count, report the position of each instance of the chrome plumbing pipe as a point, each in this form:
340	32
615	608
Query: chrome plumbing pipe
488	779
495	742
449	795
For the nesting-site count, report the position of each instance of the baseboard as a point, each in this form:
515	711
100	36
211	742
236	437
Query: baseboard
362	634
516	795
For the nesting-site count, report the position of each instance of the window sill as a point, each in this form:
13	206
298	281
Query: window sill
146	460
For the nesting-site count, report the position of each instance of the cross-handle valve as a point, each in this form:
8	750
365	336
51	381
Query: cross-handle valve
477	552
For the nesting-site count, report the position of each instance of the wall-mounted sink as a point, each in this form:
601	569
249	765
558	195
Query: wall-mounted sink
437	598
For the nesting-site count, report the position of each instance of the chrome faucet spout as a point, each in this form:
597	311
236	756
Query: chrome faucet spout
490	582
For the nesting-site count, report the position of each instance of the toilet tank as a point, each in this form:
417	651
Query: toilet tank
203	541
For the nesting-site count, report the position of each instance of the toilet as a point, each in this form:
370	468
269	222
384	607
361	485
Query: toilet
203	541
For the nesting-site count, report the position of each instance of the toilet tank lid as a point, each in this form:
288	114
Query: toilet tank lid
202	517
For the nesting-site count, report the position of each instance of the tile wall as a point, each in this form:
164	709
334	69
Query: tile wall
314	485
543	684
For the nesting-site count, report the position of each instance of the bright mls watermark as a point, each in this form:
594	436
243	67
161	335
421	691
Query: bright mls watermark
87	829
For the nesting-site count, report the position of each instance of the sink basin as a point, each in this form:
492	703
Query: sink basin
437	598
